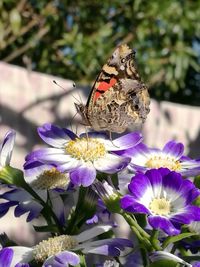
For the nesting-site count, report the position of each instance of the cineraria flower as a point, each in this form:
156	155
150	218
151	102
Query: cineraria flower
82	156
45	176
171	157
165	197
6	148
41	178
46	181
60	249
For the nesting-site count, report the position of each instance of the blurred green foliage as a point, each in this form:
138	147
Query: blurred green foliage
73	39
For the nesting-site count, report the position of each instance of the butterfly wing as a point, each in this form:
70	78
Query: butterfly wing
118	97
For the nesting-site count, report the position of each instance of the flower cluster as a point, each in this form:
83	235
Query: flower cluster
80	185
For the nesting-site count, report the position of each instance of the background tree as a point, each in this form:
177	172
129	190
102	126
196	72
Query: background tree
73	39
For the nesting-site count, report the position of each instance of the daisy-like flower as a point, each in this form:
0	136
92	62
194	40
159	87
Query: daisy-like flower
171	156
46	181
165	197
61	249
82	156
6	148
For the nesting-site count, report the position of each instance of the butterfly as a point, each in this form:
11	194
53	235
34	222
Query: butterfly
118	97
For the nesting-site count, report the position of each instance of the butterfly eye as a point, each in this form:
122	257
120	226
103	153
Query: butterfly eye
123	60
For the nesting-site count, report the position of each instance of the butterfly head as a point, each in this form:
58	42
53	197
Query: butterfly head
122	57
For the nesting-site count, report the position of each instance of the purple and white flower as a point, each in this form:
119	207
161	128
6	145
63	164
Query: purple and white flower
61	249
171	156
6	148
165	197
47	182
83	156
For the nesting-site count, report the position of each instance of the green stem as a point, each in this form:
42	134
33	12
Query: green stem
144	257
154	240
47	211
133	222
142	236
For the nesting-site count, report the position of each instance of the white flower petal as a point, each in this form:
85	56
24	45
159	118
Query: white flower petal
21	254
95	231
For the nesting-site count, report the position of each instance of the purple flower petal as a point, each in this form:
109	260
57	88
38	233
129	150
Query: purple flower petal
6	255
35	168
138	185
129	204
32	207
16	195
173	182
111	163
155	178
54	135
158	222
62	259
127	141
54	156
6	148
108	247
83	175
190	214
44	152
174	149
93	219
141	149
4	207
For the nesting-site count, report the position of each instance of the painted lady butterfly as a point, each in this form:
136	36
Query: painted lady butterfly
118	97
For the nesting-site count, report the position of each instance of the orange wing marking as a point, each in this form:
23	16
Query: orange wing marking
103	87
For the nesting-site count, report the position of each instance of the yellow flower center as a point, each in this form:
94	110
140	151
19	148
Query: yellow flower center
87	149
51	179
167	162
52	246
160	206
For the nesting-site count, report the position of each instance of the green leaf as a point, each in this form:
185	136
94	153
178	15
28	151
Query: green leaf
163	263
10	175
173	239
197	181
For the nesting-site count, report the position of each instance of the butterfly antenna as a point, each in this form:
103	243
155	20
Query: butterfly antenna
80	99
66	90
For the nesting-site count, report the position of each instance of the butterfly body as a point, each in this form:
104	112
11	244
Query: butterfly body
118	97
